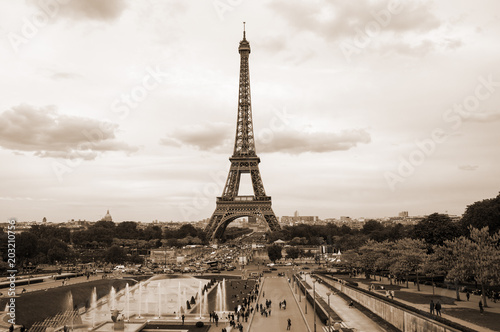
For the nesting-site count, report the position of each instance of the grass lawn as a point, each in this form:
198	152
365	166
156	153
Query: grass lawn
487	319
421	298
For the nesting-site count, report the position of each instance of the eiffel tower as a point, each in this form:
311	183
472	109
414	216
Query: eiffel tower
230	206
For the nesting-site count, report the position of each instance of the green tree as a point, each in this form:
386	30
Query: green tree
478	256
115	254
440	262
274	252
435	229
409	256
292	252
351	260
485	213
373	257
26	246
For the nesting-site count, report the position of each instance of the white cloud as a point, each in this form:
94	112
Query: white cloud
49	134
468	167
296	142
88	9
208	136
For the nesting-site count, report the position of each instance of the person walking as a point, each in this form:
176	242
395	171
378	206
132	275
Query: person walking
438	308
289	324
432	307
467	295
481	306
183	317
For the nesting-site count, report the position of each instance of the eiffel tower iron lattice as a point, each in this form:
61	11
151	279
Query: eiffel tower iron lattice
230	206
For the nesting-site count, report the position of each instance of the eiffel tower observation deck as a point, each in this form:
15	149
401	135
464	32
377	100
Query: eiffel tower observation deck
230	206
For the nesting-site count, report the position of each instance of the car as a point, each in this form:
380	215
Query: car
267	271
281	274
273	269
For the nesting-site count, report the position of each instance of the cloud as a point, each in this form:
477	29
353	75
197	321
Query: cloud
64	76
352	21
209	136
99	10
468	167
482	117
332	20
47	133
296	142
216	137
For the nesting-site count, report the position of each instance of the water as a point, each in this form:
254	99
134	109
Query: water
158	297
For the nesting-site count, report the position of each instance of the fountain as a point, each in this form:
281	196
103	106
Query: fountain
68	302
224	309
158	297
127	302
159	300
199	299
93	305
205	302
140	300
218	298
178	301
112	299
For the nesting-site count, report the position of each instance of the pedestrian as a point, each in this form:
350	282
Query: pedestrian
432	307
481	306
467	295
183	317
392	294
438	308
11	328
289	324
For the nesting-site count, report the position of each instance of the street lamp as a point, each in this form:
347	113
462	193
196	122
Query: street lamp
314	300
329	322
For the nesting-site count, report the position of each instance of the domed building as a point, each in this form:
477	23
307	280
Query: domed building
107	217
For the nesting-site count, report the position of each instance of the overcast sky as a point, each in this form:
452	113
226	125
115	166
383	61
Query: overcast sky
361	108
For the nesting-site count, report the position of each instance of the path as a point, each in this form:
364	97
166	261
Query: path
351	317
277	289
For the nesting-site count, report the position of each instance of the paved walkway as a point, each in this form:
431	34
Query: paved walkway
277	289
351	317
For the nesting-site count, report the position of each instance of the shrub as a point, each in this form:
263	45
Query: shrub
199	324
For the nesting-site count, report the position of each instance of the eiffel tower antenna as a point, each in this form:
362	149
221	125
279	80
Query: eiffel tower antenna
230	206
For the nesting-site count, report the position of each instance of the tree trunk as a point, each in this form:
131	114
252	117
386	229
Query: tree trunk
483	295
418	284
456	289
432	281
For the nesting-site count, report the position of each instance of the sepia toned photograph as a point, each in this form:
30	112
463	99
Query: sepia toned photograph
257	166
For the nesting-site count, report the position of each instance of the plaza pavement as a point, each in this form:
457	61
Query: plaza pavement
351	317
277	289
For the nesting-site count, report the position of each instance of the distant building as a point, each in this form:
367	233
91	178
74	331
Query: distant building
403	214
107	217
298	219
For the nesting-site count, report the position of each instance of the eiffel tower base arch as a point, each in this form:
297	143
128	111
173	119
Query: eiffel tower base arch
228	211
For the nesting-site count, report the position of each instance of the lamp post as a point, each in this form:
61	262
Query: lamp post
314	300
329	322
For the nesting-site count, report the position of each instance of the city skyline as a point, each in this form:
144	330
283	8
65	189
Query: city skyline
360	109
